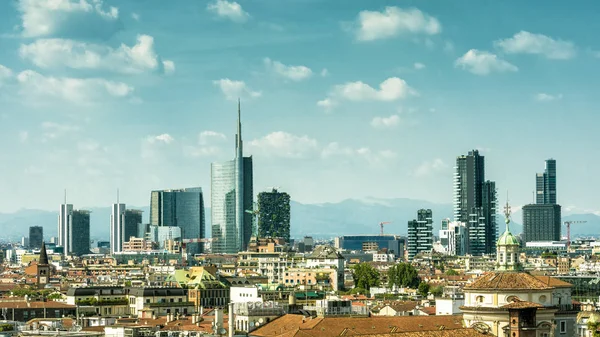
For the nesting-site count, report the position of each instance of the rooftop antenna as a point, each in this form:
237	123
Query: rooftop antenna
65	196
117	195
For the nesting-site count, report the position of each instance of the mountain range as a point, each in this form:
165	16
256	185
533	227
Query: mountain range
351	216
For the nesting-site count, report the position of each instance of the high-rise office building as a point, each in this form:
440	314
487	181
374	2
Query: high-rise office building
73	230
475	203
541	222
420	233
231	198
545	184
183	208
123	225
453	236
36	236
274	215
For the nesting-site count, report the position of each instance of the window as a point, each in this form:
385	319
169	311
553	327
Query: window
563	326
479	299
509	258
543	299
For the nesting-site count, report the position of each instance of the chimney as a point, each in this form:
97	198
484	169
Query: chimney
231	320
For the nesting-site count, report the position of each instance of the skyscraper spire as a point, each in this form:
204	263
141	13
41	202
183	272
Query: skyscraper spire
238	144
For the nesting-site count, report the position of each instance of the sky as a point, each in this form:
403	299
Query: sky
340	99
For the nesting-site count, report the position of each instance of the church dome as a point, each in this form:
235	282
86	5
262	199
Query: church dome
508	239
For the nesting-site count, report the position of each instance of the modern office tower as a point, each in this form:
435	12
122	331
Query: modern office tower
36	236
143	231
541	222
117	217
25	242
420	233
453	236
123	225
545	184
79	234
64	227
475	203
274	215
162	234
183	208
231	198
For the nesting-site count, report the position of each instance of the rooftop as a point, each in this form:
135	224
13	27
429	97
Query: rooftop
508	281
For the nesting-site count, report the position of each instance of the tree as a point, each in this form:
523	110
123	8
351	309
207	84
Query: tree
437	291
423	289
403	275
451	272
365	276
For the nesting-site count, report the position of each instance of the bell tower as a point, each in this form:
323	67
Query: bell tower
43	267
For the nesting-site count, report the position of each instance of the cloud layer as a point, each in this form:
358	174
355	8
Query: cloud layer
393	21
235	89
528	43
481	62
294	73
228	9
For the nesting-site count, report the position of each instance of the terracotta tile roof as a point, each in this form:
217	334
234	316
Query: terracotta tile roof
428	310
399	306
553	282
298	325
522	305
508	281
35	305
465	332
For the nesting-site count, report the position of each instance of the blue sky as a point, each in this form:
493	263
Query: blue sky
340	99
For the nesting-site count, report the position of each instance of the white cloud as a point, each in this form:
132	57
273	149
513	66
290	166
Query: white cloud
285	145
528	43
71	89
228	9
324	72
482	63
393	21
208	136
294	73
141	57
543	97
385	122
327	104
430	167
391	89
419	66
135	16
164	138
5	73
235	89
72	18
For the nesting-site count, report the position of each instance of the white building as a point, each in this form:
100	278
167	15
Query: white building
244	294
117	225
453	237
448	306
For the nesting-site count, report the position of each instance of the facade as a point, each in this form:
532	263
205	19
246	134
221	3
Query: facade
64	227
274	215
475	203
117	215
36	236
104	301
420	233
453	237
183	208
393	243
545	184
73	230
541	222
232	200
148	302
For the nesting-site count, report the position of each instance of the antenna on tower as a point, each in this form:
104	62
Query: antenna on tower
65	196
117	195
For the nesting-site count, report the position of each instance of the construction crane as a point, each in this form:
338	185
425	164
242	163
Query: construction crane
568	224
383	223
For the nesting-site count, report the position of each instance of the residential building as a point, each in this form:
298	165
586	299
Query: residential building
541	222
23	311
420	233
232	200
475	203
103	301
147	302
453	237
274	215
124	224
182	208
393	244
545	184
36	236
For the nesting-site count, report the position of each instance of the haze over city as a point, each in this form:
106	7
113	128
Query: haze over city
336	103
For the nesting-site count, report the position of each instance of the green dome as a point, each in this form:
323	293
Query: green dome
507	239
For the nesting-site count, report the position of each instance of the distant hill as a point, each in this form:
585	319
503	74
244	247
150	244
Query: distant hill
350	216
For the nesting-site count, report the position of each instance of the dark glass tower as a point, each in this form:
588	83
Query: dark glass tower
541	222
475	203
420	233
79	233
274	215
36	236
545	184
231	196
183	208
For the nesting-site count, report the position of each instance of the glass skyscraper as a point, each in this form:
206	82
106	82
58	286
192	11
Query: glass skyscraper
36	236
231	200
542	220
475	203
123	225
183	208
73	230
545	184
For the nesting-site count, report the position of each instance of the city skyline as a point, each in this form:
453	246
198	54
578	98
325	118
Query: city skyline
315	120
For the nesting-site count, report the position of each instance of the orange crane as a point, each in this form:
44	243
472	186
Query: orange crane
568	224
383	223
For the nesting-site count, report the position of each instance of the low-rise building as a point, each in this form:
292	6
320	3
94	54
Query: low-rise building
151	302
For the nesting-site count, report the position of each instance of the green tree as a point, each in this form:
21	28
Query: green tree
423	289
437	291
365	276
403	275
451	272
358	291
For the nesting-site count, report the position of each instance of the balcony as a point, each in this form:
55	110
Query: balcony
170	304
